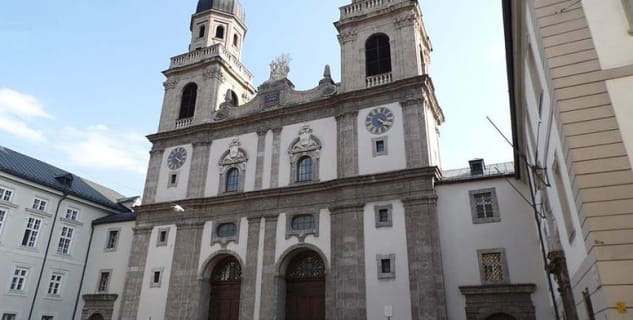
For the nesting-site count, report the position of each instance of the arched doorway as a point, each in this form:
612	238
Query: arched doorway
96	316
225	290
500	316
305	287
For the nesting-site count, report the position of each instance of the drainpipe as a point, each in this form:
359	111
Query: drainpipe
83	271
48	246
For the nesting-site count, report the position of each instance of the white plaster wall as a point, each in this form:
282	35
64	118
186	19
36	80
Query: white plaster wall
386	292
325	130
218	147
396	157
433	138
460	240
268	159
609	29
164	192
153	300
102	259
621	93
322	241
207	250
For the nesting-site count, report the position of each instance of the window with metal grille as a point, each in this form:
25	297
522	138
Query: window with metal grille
232	180
383	215
65	239
226	230
303	222
113	239
377	55
19	278
39	204
6	194
32	230
304	169
492	267
483	204
188	101
55	284
104	281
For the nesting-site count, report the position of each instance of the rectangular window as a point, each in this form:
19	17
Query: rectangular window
163	236
64	240
173	180
47	318
379	146
386	265
564	204
3	214
156	278
55	284
9	316
39	204
483	205
72	214
493	266
30	234
383	215
113	239
104	281
19	279
5	194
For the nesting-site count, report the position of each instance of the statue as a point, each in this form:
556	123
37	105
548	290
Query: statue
279	68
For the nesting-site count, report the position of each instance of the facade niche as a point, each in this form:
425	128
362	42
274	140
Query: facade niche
304	153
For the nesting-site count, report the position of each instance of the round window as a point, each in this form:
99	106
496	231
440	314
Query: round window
226	230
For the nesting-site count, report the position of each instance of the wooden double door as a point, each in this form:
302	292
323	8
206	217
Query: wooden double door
305	287
226	281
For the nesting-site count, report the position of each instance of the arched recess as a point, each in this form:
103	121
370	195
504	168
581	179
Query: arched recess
500	316
301	275
377	54
209	284
96	316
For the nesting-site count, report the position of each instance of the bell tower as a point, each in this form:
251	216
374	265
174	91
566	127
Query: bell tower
198	81
382	41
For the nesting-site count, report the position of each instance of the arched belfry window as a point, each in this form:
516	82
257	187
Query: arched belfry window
202	31
219	32
304	154
233	168
234	99
377	55
236	40
188	101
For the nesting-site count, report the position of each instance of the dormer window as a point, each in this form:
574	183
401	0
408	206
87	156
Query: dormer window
219	32
477	167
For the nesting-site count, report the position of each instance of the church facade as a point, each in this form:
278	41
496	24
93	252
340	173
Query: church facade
274	203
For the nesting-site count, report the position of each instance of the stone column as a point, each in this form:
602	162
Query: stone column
345	296
199	169
415	133
153	172
184	288
347	144
136	268
269	291
261	150
426	281
249	271
274	172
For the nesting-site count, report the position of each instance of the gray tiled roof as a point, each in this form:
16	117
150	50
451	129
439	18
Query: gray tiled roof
491	170
37	171
114	218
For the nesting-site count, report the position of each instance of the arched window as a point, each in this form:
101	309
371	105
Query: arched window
234	99
232	180
188	101
202	31
219	32
377	55
236	40
304	169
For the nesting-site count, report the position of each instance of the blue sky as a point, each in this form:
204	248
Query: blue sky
80	81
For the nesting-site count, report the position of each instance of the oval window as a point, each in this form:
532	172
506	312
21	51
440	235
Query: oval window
303	222
226	230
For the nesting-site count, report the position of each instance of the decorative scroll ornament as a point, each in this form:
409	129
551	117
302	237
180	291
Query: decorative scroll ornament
347	36
170	84
306	142
280	67
214	74
234	155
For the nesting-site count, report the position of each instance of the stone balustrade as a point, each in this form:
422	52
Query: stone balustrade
209	52
361	7
183	123
378	80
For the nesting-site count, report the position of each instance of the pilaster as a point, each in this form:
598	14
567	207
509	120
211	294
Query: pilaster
415	133
136	268
426	281
153	172
249	270
347	144
184	287
268	302
259	165
274	174
345	295
199	169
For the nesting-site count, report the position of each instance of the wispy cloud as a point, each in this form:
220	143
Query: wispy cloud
17	110
103	148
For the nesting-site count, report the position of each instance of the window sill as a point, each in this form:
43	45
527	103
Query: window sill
109	250
43	214
71	222
63	255
27	248
8	204
54	297
17	293
486	220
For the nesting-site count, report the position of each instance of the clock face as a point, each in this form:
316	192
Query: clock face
379	120
176	158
